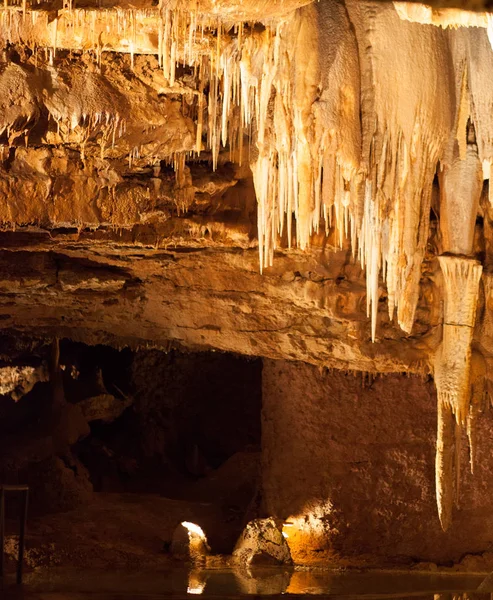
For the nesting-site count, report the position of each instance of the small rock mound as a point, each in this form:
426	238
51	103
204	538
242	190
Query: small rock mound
262	542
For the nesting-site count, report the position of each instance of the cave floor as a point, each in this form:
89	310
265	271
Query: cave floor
80	584
119	531
116	548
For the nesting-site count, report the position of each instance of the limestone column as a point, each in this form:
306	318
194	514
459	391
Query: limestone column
460	189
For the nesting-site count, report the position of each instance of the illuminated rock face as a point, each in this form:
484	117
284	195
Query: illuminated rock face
348	464
256	177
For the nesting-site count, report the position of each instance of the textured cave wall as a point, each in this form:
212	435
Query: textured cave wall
196	402
352	467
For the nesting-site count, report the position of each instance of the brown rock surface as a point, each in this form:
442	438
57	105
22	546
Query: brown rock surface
58	485
351	466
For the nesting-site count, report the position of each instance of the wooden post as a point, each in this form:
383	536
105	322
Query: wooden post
2	530
22	534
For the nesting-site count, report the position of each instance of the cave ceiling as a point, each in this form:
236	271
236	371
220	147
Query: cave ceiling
244	176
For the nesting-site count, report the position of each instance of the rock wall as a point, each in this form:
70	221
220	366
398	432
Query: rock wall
198	408
349	462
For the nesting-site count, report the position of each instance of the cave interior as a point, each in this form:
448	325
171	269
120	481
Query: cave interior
245	300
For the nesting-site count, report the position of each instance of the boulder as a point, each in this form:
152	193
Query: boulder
262	542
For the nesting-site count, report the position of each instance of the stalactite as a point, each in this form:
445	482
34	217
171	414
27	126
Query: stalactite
452	368
313	136
444	473
405	134
461	279
297	84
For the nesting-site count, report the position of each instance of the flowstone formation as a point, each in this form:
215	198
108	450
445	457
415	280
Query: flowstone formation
228	126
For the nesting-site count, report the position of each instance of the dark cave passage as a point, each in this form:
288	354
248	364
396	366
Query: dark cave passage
141	424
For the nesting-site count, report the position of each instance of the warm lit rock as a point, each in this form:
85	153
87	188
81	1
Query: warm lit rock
262	543
18	381
349	468
104	407
189	543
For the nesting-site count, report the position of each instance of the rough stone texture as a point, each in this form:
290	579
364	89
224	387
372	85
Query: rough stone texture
58	485
262	542
201	294
17	381
200	409
352	467
117	229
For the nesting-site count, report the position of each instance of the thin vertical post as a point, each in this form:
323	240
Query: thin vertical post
2	530
22	535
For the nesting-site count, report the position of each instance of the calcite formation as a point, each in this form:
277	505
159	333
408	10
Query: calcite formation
148	151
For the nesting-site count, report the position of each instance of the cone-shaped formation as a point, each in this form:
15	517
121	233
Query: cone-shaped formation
452	370
444	464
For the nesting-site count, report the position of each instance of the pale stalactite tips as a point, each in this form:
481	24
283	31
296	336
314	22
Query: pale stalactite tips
444	464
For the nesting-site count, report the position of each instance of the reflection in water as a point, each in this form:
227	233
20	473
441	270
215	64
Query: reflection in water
263	581
66	584
197	580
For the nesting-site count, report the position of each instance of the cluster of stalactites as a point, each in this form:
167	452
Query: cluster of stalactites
299	105
318	162
336	140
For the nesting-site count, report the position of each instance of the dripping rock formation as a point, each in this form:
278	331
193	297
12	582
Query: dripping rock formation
257	237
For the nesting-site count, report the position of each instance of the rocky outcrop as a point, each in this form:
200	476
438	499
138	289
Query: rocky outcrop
189	543
17	381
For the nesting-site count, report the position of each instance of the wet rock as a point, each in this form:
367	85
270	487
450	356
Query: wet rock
262	542
263	581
